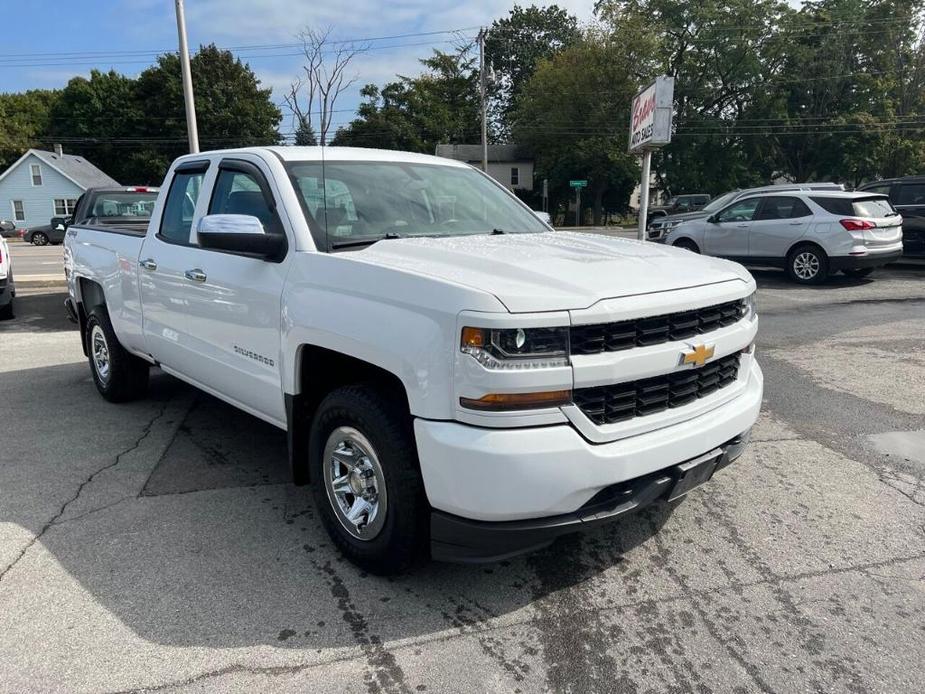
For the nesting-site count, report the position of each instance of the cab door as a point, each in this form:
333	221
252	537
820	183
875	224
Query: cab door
161	264
778	223
726	232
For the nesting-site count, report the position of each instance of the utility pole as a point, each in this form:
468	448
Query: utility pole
578	207
191	128
481	39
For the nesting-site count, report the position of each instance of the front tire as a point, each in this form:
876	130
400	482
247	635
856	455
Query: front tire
39	239
687	244
118	375
366	480
807	265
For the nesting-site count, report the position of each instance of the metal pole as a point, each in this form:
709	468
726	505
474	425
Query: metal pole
577	207
644	195
482	99
191	128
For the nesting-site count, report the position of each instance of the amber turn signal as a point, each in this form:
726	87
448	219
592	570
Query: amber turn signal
494	402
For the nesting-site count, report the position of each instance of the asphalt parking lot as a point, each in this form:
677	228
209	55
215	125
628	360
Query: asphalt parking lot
158	546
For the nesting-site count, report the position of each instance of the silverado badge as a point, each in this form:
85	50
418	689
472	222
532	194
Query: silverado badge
697	355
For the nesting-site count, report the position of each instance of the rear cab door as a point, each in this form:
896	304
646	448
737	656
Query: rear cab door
161	266
779	221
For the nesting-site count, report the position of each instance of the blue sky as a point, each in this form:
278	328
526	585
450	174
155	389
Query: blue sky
46	42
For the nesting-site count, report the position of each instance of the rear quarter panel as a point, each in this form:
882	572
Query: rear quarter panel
109	259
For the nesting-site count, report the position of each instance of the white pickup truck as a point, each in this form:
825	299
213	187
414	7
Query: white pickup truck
454	376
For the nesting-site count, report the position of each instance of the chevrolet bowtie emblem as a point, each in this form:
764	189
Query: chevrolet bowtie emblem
697	355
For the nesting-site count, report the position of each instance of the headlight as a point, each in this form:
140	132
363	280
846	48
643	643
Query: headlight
749	307
517	348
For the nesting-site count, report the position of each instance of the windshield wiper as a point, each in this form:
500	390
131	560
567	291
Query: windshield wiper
365	242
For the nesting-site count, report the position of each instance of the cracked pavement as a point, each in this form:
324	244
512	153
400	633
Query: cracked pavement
158	546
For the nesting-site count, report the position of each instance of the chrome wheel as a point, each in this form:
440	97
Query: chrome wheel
39	239
806	265
355	483
100	351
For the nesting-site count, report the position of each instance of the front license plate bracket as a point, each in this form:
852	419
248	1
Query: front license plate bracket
694	473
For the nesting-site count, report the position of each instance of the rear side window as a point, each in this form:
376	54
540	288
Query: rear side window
782	208
856	207
911	194
180	207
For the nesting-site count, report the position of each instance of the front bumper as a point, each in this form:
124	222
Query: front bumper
857	262
521	474
467	541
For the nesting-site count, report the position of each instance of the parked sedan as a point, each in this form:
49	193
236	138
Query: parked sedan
7	229
808	233
908	197
44	234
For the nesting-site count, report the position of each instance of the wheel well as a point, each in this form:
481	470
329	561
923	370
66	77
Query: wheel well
685	241
320	371
804	244
91	296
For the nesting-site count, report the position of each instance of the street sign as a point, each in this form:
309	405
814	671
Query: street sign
578	184
650	115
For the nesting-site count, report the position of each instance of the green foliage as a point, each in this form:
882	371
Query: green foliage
572	115
133	128
515	45
23	119
417	113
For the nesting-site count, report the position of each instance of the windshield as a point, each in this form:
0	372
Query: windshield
123	204
720	202
358	202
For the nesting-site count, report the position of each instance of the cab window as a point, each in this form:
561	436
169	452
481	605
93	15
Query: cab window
741	211
911	194
239	192
177	220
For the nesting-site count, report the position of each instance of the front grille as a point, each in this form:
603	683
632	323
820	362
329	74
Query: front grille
621	401
643	332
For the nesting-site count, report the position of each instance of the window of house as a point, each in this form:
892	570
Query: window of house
64	207
515	175
19	212
36	170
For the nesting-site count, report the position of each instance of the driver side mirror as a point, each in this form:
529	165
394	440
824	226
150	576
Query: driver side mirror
240	233
712	219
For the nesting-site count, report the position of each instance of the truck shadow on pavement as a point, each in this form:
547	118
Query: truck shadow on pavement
34	313
175	515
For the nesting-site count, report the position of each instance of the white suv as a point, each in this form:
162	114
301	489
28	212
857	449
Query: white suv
808	233
7	288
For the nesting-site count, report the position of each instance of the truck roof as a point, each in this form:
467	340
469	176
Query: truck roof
337	154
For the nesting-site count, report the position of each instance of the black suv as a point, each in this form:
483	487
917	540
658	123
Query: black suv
908	197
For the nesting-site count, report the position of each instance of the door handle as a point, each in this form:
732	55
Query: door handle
795	224
741	226
196	275
148	264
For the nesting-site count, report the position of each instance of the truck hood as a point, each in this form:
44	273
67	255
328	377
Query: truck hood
553	271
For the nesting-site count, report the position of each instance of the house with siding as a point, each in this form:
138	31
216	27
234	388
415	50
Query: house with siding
510	165
41	185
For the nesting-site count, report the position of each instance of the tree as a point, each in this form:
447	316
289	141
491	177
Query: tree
416	113
572	115
25	119
313	96
231	108
513	47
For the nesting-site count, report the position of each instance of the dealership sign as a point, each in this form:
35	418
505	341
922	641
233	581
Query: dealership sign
650	116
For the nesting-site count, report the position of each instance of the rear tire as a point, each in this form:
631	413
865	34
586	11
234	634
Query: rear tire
807	264
118	375
858	273
687	244
39	239
6	312
362	455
